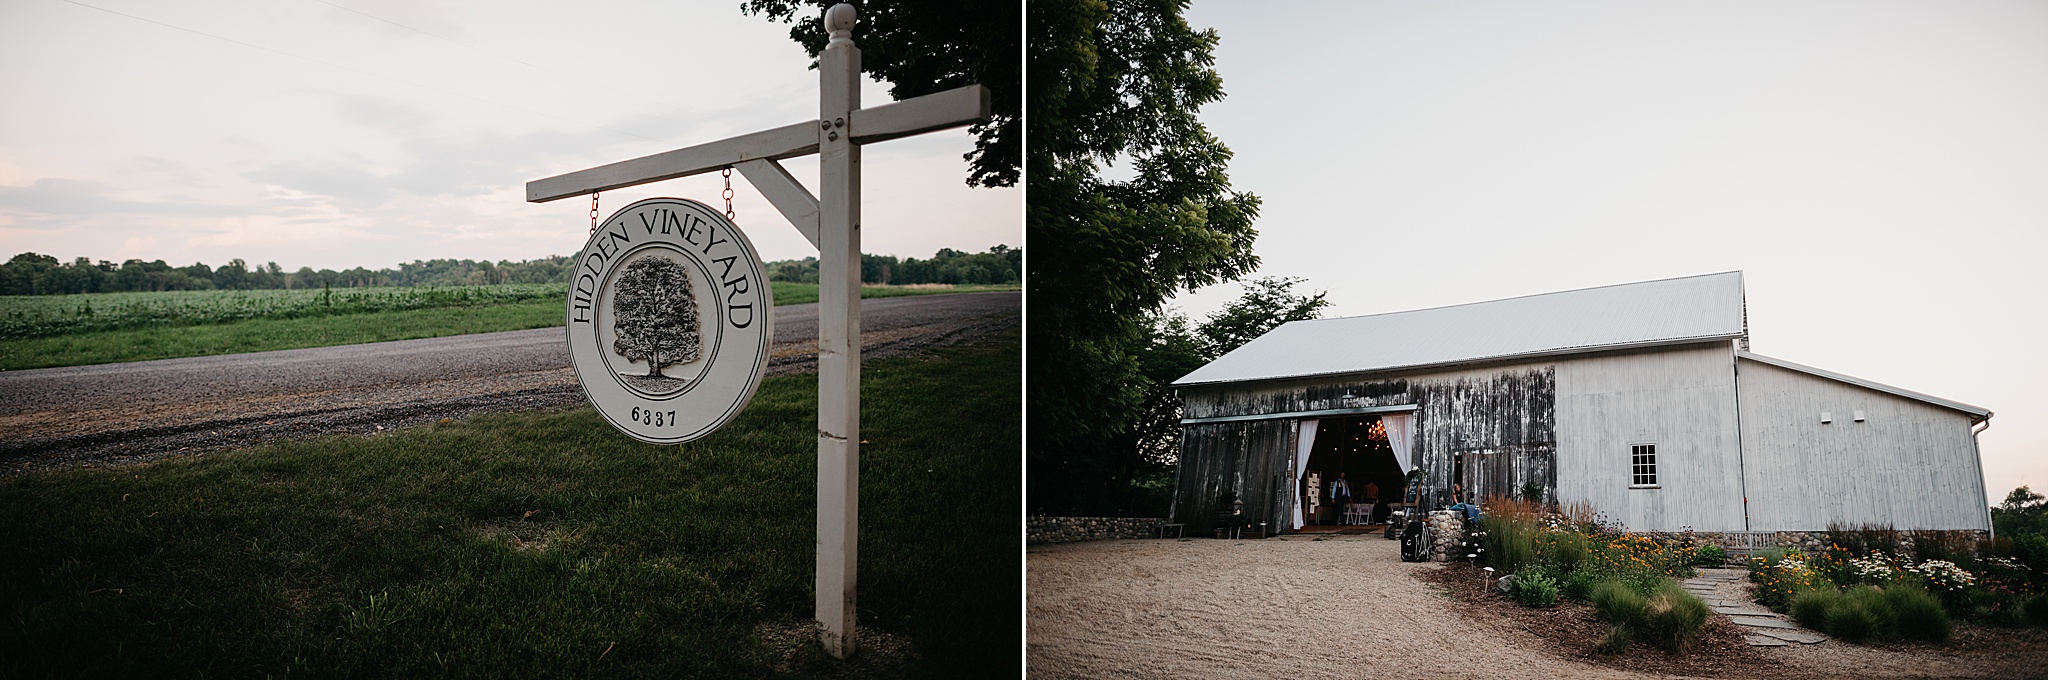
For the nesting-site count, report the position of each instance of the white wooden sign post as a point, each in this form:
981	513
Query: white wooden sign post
832	224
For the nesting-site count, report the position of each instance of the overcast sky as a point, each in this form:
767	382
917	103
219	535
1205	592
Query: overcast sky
373	132
1878	171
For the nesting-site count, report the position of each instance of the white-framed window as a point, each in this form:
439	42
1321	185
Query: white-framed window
1642	460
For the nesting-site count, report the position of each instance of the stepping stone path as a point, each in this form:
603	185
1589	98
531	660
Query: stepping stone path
1722	590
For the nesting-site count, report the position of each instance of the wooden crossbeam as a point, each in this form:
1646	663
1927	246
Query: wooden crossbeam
918	115
788	141
787	195
938	111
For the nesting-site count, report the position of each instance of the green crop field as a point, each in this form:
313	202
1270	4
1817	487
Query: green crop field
537	544
70	330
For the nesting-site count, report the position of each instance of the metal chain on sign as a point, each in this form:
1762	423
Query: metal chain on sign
727	174
593	213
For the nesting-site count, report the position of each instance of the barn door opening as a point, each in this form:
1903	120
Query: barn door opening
1355	450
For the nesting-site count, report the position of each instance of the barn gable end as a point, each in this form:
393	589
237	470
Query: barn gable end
1911	463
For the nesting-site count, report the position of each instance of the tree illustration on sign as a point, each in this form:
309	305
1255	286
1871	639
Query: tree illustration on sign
657	315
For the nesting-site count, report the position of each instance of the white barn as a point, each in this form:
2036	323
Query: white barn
1640	399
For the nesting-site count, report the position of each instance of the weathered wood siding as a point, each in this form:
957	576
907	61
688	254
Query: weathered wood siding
1241	458
1565	423
1500	418
1680	398
1910	464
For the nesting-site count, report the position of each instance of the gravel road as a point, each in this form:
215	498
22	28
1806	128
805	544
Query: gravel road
1290	607
130	412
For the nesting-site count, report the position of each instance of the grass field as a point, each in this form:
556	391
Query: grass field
528	545
71	330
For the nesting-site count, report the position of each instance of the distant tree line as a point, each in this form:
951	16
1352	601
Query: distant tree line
1000	264
37	274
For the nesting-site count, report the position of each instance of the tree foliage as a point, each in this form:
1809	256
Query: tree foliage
921	47
1001	264
1115	82
37	274
2023	519
1131	472
657	314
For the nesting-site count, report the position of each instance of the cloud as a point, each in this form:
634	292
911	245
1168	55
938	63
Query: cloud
52	202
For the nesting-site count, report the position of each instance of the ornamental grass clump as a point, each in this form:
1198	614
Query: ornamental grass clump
1617	603
1810	608
1672	618
1862	614
1509	542
1918	615
1669	617
1866	613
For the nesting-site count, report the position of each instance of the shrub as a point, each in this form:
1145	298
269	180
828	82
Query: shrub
1617	603
1711	555
2037	611
2032	550
1565	551
1761	561
1779	576
1917	615
1673	619
1875	569
1578	587
1534	588
1945	580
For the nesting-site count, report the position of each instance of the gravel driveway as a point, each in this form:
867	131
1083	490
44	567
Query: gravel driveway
113	413
1289	607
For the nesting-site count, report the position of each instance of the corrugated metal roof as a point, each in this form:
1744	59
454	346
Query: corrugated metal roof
1670	311
1980	412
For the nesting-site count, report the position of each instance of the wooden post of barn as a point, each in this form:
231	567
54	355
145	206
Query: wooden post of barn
832	224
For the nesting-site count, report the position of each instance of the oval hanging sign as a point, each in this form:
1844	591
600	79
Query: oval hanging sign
669	320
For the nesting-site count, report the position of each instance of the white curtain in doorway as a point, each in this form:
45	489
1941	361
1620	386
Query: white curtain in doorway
1305	440
1398	434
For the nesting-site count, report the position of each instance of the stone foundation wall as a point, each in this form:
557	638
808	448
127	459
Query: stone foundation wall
1809	541
1446	531
1070	529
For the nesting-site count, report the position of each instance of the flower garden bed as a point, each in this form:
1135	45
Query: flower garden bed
1574	630
1871	591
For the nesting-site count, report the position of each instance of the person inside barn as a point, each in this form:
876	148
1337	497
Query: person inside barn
1340	495
1372	495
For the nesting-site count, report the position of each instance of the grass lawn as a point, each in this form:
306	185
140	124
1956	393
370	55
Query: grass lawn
142	326
529	544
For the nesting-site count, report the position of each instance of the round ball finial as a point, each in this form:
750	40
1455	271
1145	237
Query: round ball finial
839	22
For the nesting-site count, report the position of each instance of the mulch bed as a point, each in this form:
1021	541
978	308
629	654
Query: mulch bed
1571	630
